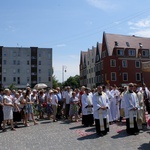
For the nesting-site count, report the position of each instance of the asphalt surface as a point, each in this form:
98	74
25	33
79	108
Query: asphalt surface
65	135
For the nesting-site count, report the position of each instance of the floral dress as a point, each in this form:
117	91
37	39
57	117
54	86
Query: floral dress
74	107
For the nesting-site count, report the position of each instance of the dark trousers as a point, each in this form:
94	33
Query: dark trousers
87	120
1	115
67	107
131	130
59	109
97	125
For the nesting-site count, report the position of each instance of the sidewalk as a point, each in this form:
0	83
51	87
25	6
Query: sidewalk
63	135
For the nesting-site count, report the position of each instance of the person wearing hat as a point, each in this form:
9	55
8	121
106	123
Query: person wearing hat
87	108
131	107
49	108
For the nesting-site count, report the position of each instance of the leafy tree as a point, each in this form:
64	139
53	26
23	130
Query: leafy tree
12	87
74	82
55	81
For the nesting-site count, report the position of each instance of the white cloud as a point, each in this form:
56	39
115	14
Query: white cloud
102	4
141	27
74	56
61	45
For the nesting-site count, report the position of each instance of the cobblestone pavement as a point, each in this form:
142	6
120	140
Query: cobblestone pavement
62	135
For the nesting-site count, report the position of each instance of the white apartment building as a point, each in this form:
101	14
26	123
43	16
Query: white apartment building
22	66
90	58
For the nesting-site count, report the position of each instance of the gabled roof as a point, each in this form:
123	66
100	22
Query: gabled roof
83	57
124	41
98	52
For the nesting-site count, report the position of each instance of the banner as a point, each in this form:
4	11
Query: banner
146	66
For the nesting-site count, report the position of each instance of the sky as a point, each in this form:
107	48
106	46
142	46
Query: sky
69	26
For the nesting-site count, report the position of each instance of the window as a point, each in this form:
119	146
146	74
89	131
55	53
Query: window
4	79
14	54
127	43
140	45
125	76
18	80
116	43
120	52
18	62
113	63
131	52
138	76
14	71
14	62
4	70
97	57
4	62
18	70
39	62
92	60
28	62
28	79
14	79
113	76
39	70
103	54
124	63
137	64
145	53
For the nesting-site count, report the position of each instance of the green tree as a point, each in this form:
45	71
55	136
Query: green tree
74	82
55	81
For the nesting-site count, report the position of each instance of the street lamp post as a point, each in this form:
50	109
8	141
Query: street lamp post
64	69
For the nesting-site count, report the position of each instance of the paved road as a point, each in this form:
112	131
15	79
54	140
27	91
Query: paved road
63	135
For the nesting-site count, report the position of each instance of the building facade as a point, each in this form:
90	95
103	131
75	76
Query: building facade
22	66
118	60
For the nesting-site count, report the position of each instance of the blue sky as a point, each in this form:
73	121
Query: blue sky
69	26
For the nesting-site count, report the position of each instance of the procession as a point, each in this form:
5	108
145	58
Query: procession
100	107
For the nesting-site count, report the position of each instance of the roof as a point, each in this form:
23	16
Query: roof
125	41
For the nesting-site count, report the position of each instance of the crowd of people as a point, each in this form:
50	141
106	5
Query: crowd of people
100	106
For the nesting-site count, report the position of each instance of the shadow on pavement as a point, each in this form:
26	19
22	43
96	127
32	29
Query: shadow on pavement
121	134
90	130
45	122
145	146
77	127
87	137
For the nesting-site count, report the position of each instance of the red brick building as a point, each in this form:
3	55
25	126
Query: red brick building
118	60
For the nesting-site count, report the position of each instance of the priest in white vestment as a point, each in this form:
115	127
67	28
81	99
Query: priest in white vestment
87	108
100	104
131	107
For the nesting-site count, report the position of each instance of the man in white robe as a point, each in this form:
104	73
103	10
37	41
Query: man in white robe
106	89
87	108
100	105
131	107
140	111
114	104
